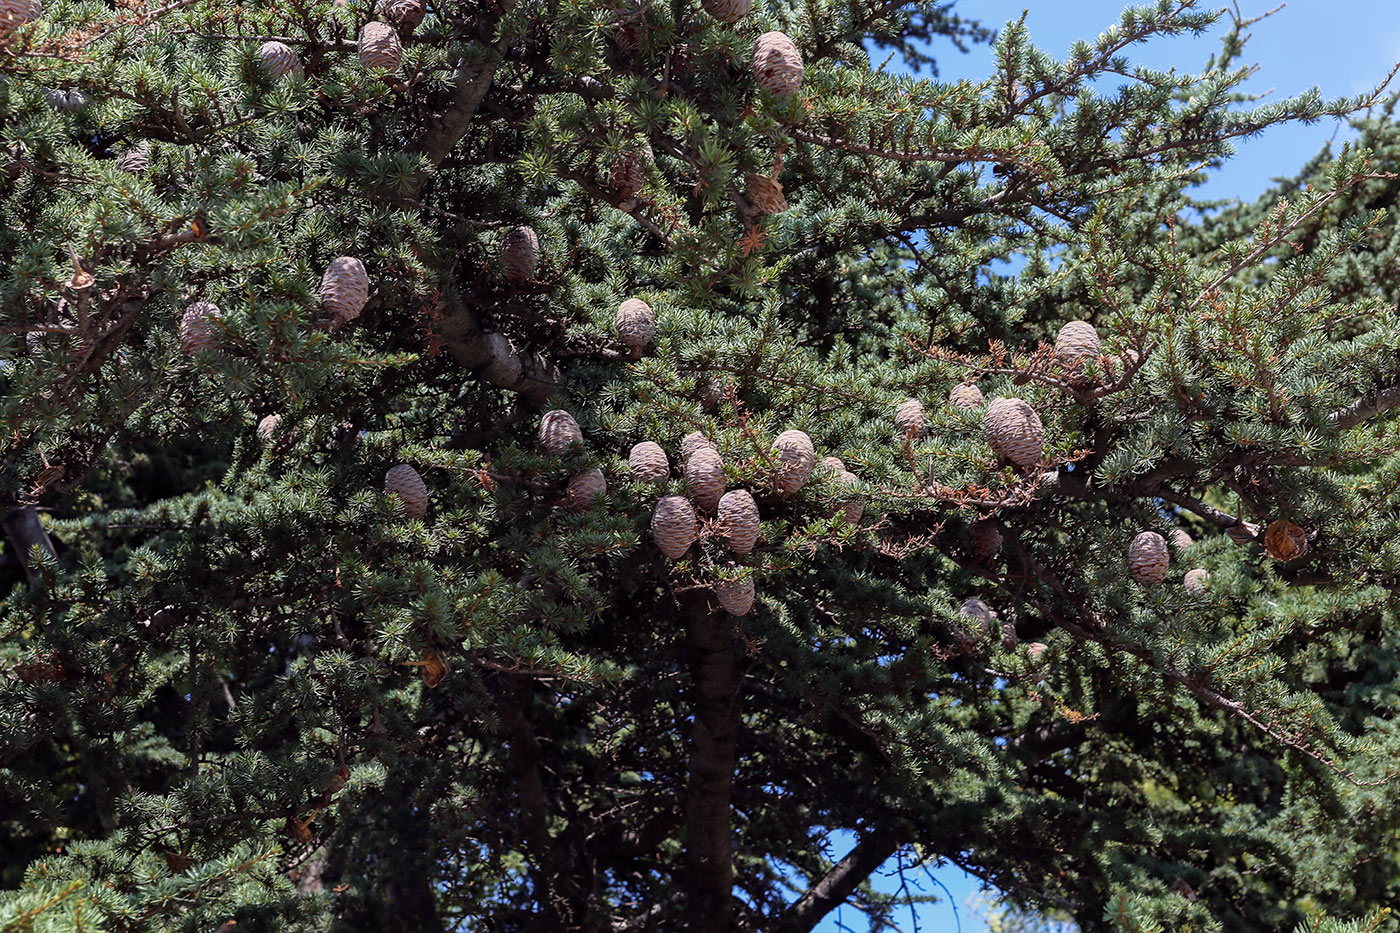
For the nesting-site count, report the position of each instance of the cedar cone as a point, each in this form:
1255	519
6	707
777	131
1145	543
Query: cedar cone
673	526
648	464
736	597
1014	431
909	419
738	521
796	457
403	481
558	431
520	253
380	47
777	64
966	395
635	324
1148	558
584	488
279	59
345	288
197	331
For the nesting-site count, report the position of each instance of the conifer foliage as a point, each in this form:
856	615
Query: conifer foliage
527	466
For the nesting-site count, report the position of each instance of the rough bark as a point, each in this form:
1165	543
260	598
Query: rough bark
837	884
24	531
714	743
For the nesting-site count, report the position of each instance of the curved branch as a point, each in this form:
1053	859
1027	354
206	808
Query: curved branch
874	848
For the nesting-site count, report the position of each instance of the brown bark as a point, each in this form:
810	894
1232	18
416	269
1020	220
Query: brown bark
714	744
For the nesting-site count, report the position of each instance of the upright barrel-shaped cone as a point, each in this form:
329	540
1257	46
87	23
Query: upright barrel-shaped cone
559	431
909	418
1148	558
673	526
966	395
738	521
403	481
380	47
736	597
796	457
520	254
198	332
704	477
345	288
1076	344
635	323
1014	431
584	489
648	464
279	59
728	11
777	64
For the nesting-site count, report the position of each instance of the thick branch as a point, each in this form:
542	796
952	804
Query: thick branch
845	876
494	359
1367	406
471	80
714	739
534	805
22	527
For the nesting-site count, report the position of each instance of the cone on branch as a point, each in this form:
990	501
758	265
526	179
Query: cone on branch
777	64
704	477
559	431
403	481
16	13
695	441
738	521
966	395
673	526
910	419
736	597
851	509
1076	345
1285	541
728	11
345	288
137	159
984	539
765	194
379	47
520	254
585	489
280	60
982	616
628	173
796	457
1180	539
635	325
647	463
267	429
1014	431
1148	558
198	330
1196	581
404	15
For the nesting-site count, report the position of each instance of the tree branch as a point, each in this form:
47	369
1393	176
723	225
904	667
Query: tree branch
1367	406
714	740
22	527
844	877
471	79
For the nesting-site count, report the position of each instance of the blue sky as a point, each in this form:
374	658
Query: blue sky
1343	47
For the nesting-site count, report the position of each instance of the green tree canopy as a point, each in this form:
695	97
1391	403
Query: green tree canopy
340	595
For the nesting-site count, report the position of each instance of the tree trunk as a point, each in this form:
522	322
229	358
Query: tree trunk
714	740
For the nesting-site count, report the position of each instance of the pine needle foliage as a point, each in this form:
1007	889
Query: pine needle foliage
243	688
